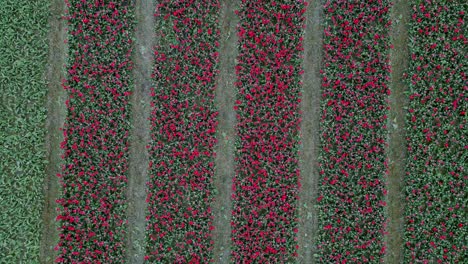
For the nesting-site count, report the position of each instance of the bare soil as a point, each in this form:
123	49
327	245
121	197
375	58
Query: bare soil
399	57
140	132
56	113
310	106
224	101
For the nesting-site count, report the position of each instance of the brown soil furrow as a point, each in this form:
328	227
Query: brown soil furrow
56	113
140	132
397	146
310	106
309	131
225	97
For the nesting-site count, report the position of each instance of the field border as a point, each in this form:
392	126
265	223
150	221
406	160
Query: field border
225	133
140	132
399	55
55	118
310	140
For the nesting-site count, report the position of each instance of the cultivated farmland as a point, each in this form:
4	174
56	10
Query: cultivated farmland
233	131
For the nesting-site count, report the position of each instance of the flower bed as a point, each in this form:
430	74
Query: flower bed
183	123
436	178
266	183
92	204
353	132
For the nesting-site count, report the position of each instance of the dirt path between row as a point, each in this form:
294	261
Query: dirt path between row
310	106
399	57
140	132
56	114
224	100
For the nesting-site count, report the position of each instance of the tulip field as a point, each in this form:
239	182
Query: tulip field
436	179
353	134
92	205
79	77
183	123
23	49
265	187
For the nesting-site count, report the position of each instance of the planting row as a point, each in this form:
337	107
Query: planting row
266	182
183	123
353	168
92	204
436	177
23	49
353	134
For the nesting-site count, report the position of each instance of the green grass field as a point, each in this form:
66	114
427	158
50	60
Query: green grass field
23	49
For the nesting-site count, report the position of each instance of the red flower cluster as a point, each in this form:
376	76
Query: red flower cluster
92	205
436	178
265	187
353	132
183	123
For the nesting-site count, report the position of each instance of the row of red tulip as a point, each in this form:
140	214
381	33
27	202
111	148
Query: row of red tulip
266	183
183	123
353	134
436	178
92	204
